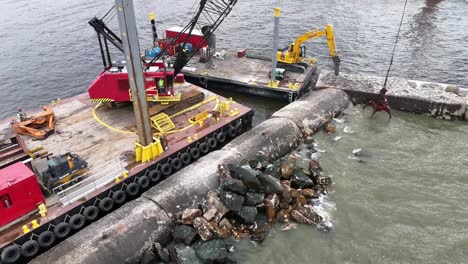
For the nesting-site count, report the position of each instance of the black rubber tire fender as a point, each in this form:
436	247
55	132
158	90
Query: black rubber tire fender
46	239
144	182
119	197
221	137
62	230
195	153
77	221
204	148
106	204
238	128
232	131
176	164
186	158
30	249
166	169
212	143
132	189
11	254
91	213
155	176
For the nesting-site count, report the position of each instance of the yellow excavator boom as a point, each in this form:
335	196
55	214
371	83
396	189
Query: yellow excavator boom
294	54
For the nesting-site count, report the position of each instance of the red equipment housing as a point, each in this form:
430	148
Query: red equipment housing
20	192
112	84
196	38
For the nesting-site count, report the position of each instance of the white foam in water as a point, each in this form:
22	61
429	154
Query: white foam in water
324	208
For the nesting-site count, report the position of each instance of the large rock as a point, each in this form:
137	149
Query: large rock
301	180
287	168
184	234
253	199
213	251
203	228
231	200
271	204
234	185
270	183
188	215
247	214
185	255
248	177
273	170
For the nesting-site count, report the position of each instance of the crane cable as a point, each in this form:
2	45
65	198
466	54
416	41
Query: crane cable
394	47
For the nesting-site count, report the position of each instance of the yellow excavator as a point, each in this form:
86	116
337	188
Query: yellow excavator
292	58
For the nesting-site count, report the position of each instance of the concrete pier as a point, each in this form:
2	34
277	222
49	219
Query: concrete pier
436	99
120	236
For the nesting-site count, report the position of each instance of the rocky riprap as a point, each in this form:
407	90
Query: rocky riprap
249	201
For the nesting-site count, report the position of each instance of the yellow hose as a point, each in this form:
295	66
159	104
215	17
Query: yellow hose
106	125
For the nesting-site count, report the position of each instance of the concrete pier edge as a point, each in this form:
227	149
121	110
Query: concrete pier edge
439	100
121	236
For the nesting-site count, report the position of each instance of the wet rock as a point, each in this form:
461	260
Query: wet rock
329	128
309	141
234	185
273	170
452	89
309	193
224	172
247	214
162	252
301	180
295	193
189	215
302	200
253	199
239	233
213	201
261	232
184	234
288	226
232	201
203	228
283	215
309	212
314	167
220	232
224	223
260	163
271	204
300	218
148	257
185	255
270	183
287	168
210	214
248	177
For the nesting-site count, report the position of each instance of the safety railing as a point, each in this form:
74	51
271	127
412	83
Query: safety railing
95	178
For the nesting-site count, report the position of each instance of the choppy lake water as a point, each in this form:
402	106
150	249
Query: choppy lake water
406	204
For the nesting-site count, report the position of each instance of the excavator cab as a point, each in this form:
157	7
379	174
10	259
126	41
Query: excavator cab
165	84
63	170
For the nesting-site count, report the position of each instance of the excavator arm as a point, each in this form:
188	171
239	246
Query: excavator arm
294	52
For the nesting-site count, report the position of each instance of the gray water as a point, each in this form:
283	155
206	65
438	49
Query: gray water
405	205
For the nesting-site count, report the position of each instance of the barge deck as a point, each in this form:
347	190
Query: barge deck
105	138
247	74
